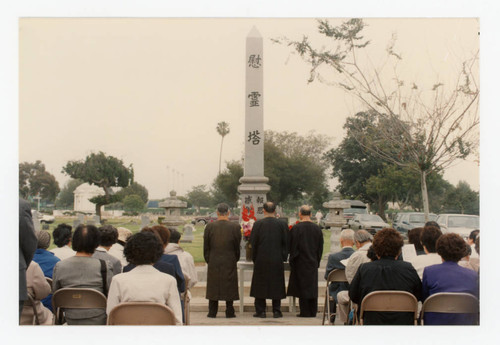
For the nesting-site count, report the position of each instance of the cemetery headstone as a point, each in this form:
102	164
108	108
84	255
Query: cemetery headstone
144	221
187	233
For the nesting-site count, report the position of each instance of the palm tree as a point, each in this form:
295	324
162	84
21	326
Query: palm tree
223	130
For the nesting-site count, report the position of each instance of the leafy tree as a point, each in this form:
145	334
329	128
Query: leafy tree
134	189
352	164
223	130
133	203
462	199
199	197
66	197
436	124
294	165
34	180
225	185
103	171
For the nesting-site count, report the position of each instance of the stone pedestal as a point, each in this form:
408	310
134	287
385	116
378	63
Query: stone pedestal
335	220
173	207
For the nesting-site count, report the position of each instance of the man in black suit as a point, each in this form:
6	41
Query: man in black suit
27	248
346	242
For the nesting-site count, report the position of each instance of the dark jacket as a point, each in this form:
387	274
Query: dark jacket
269	251
27	245
385	274
334	263
306	249
221	250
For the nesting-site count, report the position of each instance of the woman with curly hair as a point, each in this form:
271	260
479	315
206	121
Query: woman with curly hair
144	283
449	276
386	273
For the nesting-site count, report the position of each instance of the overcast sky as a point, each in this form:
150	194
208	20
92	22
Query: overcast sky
151	91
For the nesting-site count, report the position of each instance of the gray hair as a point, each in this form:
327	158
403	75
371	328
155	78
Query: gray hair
363	236
347	234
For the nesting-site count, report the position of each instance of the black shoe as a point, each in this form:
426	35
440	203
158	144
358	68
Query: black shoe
211	315
261	315
300	315
277	314
230	316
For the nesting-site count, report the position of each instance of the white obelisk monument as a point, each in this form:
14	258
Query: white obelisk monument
254	185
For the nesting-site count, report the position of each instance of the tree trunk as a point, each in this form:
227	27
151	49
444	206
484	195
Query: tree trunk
220	154
381	208
98	210
425	197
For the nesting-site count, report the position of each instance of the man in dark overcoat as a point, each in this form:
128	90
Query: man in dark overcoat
221	250
306	248
27	248
269	251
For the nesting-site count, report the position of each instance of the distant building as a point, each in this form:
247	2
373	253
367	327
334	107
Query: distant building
86	191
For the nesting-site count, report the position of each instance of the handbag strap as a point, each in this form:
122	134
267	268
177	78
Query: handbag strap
104	277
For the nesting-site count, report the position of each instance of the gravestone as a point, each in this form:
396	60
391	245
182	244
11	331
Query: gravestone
36	220
144	221
187	233
253	187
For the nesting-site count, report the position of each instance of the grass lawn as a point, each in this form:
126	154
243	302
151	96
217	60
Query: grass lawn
195	248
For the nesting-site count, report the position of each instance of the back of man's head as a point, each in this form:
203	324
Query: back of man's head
305	210
429	237
363	236
223	209
270	207
109	235
175	236
432	223
347	235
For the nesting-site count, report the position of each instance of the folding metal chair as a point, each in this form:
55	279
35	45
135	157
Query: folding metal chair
75	298
334	276
141	313
31	303
389	300
186	301
451	302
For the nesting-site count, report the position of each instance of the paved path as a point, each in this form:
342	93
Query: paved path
288	319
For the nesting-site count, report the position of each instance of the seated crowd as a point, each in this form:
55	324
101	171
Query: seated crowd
150	266
122	266
441	263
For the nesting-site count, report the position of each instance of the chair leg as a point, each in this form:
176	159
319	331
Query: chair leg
325	307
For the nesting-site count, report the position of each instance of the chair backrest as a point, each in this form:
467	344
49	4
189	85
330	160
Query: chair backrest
389	300
141	313
336	276
451	302
76	298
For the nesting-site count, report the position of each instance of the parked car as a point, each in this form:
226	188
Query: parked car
461	224
212	217
409	220
44	218
357	207
369	222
